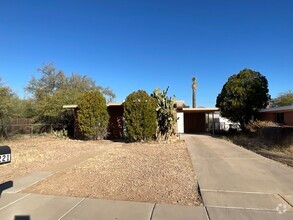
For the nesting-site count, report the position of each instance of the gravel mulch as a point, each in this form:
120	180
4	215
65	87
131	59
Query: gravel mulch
146	172
43	153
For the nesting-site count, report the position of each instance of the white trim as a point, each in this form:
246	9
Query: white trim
70	106
115	104
203	110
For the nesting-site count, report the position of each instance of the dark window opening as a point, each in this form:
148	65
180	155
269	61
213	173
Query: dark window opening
280	118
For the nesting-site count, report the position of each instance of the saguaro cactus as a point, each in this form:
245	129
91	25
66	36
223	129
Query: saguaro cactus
194	87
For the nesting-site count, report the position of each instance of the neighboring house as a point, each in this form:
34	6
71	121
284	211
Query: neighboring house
282	115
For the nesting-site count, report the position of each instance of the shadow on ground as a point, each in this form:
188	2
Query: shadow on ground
5	185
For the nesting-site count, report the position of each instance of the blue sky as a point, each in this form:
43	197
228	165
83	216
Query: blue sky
131	45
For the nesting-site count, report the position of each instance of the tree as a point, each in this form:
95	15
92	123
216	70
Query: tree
165	113
284	99
92	115
8	106
26	108
243	95
140	116
54	89
51	80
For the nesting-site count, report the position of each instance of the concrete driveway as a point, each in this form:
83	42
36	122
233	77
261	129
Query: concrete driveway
238	184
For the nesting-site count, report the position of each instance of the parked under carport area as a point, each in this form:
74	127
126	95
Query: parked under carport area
195	120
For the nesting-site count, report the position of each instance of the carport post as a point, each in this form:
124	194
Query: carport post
213	122
208	121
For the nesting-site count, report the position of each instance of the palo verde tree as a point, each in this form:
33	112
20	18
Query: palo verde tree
9	106
92	115
283	99
242	96
54	89
140	116
165	109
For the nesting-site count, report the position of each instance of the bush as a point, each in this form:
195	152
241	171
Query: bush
270	132
61	133
92	115
255	126
140	116
280	136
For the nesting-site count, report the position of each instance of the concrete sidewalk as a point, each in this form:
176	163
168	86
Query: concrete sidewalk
238	184
20	206
15	205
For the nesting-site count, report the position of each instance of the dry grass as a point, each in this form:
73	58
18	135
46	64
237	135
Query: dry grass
147	172
265	148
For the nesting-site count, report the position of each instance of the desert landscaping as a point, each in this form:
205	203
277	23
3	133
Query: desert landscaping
146	172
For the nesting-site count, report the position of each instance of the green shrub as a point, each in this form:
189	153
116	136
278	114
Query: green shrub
140	116
92	114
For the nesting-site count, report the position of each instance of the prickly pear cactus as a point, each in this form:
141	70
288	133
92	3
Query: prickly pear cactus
166	118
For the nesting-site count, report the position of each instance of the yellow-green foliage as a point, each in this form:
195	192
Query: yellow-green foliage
9	106
92	115
140	116
285	98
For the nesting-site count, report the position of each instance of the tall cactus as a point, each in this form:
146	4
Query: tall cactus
194	87
166	118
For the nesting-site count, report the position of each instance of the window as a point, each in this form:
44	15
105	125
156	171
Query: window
280	118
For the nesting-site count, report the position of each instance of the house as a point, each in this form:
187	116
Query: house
190	120
282	115
115	128
195	120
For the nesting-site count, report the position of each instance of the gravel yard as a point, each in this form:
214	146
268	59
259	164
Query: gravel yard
147	172
43	153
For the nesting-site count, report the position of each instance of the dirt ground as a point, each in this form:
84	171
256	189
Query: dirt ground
284	156
281	154
147	172
43	153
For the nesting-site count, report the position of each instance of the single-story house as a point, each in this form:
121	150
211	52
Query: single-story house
282	115
115	129
190	120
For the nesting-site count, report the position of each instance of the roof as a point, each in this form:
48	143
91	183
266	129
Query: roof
288	108
199	110
70	106
109	104
115	104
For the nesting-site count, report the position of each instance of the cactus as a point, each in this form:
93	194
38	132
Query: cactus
166	118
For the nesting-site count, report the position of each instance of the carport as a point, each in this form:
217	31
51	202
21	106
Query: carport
196	120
